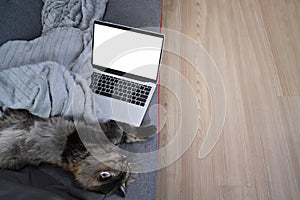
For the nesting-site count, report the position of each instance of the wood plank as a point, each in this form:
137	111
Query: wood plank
281	19
236	193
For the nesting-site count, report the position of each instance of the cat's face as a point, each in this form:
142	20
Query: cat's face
109	176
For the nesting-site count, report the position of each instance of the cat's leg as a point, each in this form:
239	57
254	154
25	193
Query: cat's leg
112	131
137	134
118	132
13	164
21	117
15	161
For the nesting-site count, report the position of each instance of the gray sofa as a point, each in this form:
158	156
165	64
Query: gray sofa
21	20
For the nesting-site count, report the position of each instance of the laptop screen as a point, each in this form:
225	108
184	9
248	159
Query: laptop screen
127	50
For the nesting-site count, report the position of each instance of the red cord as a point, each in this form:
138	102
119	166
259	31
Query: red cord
161	15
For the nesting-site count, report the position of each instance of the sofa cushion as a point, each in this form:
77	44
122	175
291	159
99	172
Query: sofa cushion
138	13
20	19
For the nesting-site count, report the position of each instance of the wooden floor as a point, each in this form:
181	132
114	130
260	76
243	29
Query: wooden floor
256	46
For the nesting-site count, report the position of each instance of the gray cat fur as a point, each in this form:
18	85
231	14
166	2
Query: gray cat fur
26	139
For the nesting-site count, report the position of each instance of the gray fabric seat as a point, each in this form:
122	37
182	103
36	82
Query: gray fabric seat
139	13
20	20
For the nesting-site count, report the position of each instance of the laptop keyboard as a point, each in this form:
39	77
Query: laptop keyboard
120	89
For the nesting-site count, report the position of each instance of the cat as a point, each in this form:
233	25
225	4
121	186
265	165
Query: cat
26	139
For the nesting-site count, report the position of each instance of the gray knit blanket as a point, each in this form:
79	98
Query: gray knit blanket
50	75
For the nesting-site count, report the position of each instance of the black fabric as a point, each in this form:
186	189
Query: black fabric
34	183
20	19
48	182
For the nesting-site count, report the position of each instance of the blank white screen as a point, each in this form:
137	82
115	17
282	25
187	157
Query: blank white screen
126	51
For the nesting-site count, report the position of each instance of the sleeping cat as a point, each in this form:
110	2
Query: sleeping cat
26	139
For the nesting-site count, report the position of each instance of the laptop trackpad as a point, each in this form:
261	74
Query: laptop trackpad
121	111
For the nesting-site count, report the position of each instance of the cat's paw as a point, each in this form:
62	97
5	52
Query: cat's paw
112	131
141	134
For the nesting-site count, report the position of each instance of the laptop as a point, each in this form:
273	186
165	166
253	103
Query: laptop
125	63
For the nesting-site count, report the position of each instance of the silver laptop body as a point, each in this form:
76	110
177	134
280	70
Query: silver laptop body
126	62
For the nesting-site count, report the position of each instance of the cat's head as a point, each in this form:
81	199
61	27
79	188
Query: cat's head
110	175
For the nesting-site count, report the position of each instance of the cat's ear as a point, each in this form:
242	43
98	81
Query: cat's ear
140	134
